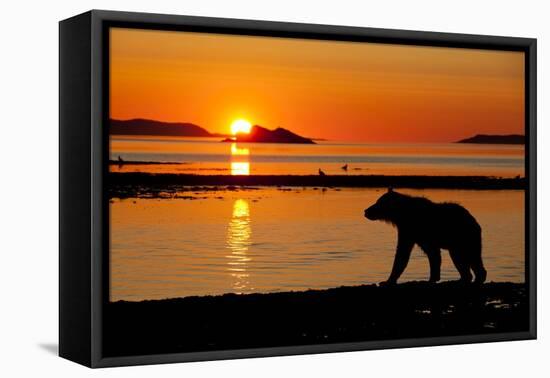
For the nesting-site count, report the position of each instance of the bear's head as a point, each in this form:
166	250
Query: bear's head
387	207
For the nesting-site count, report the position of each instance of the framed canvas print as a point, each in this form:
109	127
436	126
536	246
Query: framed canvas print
234	188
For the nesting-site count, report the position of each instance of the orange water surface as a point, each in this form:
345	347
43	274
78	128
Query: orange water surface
270	240
211	156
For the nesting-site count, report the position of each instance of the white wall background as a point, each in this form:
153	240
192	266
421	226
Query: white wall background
29	185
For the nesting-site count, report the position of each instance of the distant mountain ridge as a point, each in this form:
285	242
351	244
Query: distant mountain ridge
140	126
495	139
259	134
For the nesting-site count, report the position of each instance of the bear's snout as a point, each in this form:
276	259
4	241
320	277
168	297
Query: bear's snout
368	214
373	212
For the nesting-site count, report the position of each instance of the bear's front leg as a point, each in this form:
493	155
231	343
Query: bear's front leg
434	256
402	255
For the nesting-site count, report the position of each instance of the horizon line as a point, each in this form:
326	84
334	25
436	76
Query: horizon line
218	134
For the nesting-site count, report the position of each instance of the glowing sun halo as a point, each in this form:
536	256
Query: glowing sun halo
240	126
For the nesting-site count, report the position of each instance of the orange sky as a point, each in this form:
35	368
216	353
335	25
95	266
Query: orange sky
325	89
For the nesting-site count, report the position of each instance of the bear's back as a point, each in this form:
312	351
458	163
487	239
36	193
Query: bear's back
438	224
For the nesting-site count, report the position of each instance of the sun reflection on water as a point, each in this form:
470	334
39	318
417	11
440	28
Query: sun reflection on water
240	168
235	150
238	240
239	160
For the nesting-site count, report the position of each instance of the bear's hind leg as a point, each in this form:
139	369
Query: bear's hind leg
477	262
479	270
461	263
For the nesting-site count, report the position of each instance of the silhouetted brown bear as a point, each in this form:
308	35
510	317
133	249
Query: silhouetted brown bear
432	226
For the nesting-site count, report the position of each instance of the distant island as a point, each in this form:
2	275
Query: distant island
149	127
140	126
259	134
495	139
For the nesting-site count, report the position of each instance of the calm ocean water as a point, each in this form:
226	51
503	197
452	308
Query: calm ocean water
277	239
210	156
270	240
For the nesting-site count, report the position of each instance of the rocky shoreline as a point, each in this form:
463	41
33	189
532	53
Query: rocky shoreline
345	314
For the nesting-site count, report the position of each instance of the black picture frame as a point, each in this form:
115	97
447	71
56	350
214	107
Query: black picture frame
83	151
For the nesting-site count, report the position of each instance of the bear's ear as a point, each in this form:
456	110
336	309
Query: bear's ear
390	189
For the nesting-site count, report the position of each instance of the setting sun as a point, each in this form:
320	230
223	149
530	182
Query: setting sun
240	126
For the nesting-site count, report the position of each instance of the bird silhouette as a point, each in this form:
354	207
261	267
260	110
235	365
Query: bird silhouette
345	167
120	161
321	173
